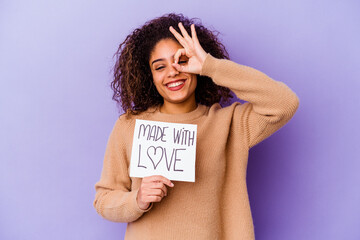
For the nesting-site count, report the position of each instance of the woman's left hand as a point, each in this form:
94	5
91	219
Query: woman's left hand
192	49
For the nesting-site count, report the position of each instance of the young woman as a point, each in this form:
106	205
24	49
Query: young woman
175	70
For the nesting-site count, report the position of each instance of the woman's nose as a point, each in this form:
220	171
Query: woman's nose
173	72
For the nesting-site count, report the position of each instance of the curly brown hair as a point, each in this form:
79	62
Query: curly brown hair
133	87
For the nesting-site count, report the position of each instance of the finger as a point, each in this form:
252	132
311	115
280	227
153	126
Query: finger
156	192
178	37
154	199
156	185
184	32
179	68
178	54
161	179
159	185
160	190
193	34
164	189
153	178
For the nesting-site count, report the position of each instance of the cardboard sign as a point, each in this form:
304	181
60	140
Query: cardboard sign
162	148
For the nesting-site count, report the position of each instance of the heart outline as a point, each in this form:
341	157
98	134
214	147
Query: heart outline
162	154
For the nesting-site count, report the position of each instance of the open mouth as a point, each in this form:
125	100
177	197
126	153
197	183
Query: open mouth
176	85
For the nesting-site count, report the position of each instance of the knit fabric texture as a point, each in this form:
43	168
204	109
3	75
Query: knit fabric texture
216	205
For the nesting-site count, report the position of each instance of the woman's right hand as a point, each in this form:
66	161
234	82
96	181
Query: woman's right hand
192	49
152	189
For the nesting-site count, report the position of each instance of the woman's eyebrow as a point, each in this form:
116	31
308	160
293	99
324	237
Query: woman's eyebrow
157	60
160	59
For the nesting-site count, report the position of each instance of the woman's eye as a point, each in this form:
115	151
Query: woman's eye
184	61
159	68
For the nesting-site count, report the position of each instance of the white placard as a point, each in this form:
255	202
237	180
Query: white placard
162	148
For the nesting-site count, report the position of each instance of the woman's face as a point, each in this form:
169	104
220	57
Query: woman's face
175	87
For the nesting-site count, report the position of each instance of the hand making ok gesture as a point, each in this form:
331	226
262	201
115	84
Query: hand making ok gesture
192	49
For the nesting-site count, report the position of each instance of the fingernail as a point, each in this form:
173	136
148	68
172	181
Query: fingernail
172	184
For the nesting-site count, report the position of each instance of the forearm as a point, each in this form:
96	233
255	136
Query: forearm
115	197
269	97
272	103
118	206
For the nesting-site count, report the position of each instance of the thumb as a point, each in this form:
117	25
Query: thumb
179	68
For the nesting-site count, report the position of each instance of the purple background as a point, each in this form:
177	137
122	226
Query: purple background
57	112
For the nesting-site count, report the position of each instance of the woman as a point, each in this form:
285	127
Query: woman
173	70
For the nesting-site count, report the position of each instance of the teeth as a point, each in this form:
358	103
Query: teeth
175	84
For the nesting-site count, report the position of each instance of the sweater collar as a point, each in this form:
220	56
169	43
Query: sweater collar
179	117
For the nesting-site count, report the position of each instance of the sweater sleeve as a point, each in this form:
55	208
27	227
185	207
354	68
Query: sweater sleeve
114	199
270	104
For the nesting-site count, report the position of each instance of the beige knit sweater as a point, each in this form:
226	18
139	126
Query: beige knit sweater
216	205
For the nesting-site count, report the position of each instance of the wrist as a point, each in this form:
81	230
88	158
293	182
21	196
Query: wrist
147	207
202	59
141	205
